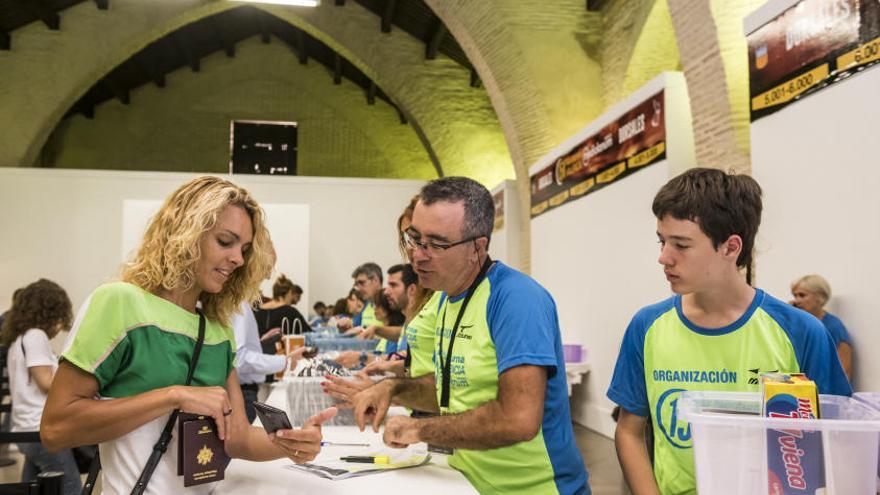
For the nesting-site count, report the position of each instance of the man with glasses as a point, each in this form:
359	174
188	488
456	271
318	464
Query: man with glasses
368	283
499	382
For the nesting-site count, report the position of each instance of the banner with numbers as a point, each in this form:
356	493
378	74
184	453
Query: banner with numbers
498	198
635	140
808	47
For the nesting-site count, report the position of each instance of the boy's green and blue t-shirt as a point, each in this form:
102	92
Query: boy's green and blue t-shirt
664	354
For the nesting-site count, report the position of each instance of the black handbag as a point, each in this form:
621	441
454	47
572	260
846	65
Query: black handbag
164	439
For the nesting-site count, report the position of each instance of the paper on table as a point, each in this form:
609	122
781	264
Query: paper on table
340	470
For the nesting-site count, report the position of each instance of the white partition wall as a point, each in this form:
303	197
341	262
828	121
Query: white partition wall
69	225
816	162
505	245
597	254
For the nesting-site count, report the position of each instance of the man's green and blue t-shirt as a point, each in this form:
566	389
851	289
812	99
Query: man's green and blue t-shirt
510	321
132	342
664	354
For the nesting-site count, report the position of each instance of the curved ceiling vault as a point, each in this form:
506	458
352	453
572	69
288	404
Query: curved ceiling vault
458	124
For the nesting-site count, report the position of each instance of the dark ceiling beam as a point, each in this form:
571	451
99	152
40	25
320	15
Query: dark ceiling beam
191	59
475	79
432	46
262	28
39	9
121	94
227	44
146	69
337	68
87	107
302	50
401	115
371	94
5	41
102	4
388	14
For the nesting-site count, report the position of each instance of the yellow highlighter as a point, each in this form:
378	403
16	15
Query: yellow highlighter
367	459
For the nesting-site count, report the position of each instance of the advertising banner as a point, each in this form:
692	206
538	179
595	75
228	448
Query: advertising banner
635	140
809	46
499	210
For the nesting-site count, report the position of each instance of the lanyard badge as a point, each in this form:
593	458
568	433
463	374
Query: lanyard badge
446	366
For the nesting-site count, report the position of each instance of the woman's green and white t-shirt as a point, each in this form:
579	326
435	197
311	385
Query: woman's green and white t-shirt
133	341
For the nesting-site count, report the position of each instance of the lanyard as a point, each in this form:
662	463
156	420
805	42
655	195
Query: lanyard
446	367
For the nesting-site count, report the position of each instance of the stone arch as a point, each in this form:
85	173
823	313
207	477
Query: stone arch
709	36
340	135
542	82
458	120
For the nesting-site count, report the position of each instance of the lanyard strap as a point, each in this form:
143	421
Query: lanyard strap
446	367
164	439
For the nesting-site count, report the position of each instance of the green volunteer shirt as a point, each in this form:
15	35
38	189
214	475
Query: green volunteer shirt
132	342
419	338
510	321
664	354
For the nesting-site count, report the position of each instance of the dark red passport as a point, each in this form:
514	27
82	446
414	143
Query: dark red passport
201	457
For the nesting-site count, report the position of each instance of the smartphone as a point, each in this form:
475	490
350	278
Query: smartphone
272	418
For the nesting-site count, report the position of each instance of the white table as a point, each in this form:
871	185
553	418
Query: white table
274	477
575	373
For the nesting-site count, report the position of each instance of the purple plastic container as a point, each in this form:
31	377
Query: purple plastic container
573	353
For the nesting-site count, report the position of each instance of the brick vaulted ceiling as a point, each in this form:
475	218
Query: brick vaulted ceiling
220	32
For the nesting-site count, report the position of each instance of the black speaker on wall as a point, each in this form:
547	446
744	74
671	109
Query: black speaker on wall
262	147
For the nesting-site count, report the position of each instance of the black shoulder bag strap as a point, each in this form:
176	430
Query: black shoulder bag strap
162	445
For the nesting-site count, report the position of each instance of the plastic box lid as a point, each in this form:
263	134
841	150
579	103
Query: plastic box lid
742	410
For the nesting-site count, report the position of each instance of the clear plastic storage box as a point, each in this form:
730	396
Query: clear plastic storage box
730	442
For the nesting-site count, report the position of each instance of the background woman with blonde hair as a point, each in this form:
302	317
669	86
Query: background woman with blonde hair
133	341
811	293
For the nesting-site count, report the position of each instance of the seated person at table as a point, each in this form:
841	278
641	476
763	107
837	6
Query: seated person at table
368	284
404	293
716	333
350	320
320	318
385	317
811	293
338	312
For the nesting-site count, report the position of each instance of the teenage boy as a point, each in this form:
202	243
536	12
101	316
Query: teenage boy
716	333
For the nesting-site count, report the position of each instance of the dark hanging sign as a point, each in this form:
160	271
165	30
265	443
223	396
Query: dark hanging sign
635	140
263	147
809	46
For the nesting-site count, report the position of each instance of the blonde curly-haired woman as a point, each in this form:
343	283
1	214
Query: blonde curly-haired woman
125	364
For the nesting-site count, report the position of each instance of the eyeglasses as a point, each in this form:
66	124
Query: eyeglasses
432	248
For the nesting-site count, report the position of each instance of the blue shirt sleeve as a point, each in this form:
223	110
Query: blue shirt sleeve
836	329
628	389
522	321
813	347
